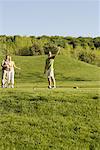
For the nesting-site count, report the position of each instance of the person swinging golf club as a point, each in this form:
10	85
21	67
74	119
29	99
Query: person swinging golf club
49	69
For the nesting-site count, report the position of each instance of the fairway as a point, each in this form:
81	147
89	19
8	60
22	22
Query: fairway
33	117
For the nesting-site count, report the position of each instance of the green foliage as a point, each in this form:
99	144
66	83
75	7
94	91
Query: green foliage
36	49
24	52
73	42
58	41
97	42
29	46
87	42
87	56
50	47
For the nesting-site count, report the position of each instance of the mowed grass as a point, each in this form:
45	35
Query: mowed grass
68	72
34	117
66	69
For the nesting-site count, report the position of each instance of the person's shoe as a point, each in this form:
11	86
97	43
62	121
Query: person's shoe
53	87
49	87
3	86
12	86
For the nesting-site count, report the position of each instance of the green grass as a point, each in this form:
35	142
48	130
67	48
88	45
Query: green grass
68	72
33	117
66	69
49	119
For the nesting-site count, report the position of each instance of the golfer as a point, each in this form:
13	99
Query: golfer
49	69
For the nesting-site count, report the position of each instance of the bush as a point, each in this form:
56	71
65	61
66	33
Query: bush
36	49
87	56
50	47
23	52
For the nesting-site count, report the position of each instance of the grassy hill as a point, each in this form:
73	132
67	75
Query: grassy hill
33	117
66	69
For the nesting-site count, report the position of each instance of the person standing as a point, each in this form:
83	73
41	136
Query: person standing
11	72
5	72
49	69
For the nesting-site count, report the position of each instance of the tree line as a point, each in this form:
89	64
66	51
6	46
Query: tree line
86	49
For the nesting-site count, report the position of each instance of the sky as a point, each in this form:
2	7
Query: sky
50	17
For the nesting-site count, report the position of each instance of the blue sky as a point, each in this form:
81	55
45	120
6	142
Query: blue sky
50	17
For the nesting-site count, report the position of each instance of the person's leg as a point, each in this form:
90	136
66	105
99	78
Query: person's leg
49	82
53	79
53	82
49	79
7	84
9	78
3	78
12	79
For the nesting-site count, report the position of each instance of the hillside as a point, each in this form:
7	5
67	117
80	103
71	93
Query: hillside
66	69
33	117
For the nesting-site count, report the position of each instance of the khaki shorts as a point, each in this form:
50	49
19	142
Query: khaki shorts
50	73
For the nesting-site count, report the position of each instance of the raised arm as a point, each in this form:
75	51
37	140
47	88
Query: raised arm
58	51
45	68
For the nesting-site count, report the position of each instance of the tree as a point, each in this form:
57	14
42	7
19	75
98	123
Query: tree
36	49
50	47
97	42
